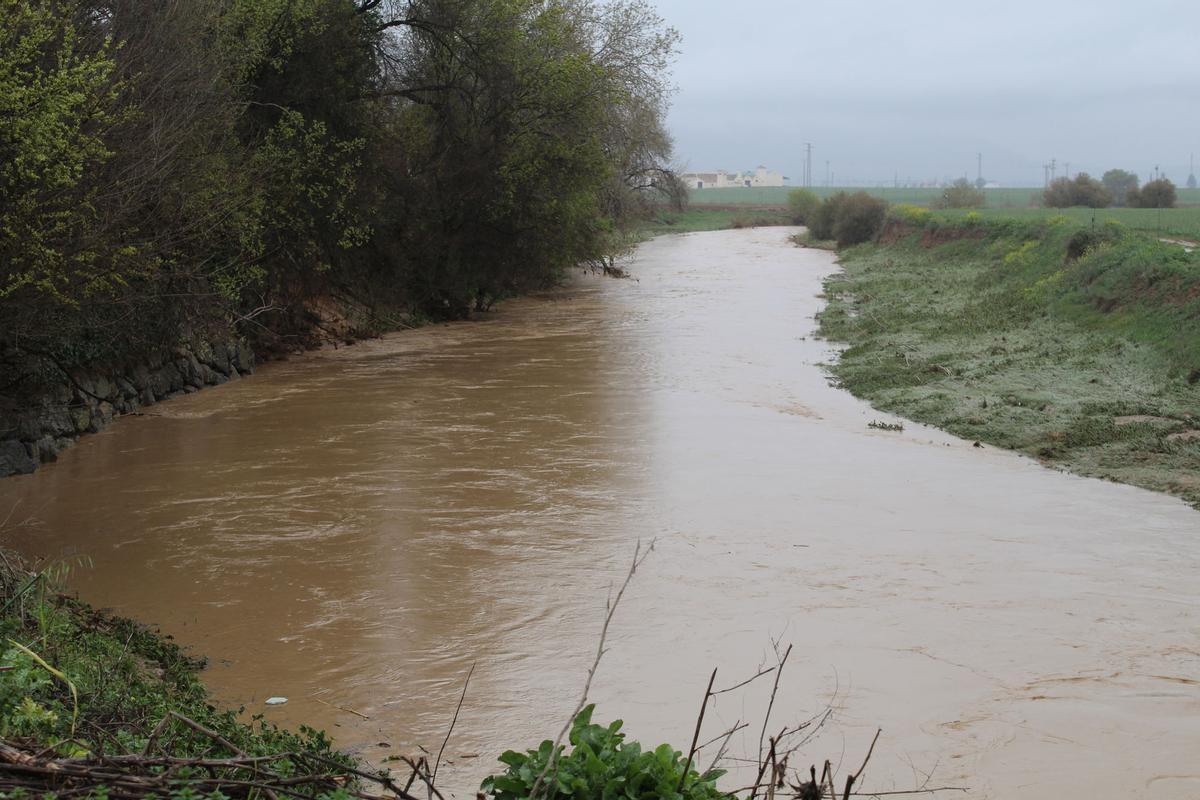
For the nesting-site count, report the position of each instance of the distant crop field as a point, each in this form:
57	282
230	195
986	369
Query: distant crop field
1181	222
777	196
697	218
1007	197
1188	197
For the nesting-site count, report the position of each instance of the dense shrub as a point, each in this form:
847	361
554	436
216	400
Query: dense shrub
859	219
961	194
1086	240
600	765
802	203
1155	194
1082	190
820	225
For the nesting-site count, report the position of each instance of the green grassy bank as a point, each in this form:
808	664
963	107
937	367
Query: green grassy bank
1076	345
93	705
1183	223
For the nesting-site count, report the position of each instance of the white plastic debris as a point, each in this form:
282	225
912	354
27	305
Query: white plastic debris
276	701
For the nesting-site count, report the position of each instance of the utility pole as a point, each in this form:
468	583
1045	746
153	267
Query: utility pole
1053	169
808	164
1067	169
979	171
828	174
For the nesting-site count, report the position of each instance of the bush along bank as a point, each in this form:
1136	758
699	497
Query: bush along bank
1079	346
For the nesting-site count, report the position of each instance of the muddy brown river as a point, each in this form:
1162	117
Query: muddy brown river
355	528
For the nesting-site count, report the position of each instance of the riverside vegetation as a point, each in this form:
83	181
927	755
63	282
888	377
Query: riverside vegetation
1077	344
185	177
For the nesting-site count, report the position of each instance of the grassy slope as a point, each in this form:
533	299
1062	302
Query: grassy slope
1000	339
1181	222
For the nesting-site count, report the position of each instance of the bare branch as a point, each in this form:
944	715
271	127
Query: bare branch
610	610
696	736
438	761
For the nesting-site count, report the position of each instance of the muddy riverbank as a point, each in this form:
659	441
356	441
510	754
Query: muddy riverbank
355	528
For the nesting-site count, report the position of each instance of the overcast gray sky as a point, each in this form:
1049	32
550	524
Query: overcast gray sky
917	88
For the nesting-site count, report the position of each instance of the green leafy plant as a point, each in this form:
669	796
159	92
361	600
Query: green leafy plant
604	766
23	687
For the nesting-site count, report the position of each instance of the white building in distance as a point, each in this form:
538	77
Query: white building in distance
761	176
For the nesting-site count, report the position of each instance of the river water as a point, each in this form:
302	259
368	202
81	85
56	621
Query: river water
355	528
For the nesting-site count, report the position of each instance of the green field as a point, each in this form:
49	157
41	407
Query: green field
1006	197
698	218
914	196
1181	222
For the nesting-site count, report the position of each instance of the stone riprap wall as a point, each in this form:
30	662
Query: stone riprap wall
87	402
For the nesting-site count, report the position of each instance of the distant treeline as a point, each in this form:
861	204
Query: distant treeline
172	166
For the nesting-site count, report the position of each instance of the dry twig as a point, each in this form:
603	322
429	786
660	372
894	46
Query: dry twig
610	610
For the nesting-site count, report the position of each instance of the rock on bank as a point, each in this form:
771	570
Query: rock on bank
85	401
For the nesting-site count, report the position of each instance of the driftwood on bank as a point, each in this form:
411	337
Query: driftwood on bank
135	776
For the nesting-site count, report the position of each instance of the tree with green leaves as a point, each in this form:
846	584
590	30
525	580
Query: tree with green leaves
207	167
1119	183
57	100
